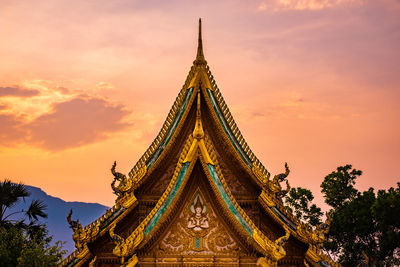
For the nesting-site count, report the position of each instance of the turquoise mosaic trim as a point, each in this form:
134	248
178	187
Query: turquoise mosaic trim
110	219
284	218
228	201
324	264
171	129
241	152
227	129
168	199
73	262
197	242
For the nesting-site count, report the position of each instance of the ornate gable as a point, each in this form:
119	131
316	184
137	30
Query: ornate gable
198	195
198	233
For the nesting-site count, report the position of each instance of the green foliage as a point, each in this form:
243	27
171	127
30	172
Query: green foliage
352	229
338	187
370	223
19	249
299	201
361	221
386	212
24	244
36	210
11	244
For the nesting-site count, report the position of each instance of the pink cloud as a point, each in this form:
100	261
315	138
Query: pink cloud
77	122
74	123
313	4
10	130
18	92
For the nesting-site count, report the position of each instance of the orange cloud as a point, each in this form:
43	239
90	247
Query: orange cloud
71	123
77	122
10	131
17	92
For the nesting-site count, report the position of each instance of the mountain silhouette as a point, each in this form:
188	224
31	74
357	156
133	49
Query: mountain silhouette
57	211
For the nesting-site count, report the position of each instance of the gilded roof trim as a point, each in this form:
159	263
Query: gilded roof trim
232	124
168	123
160	212
247	158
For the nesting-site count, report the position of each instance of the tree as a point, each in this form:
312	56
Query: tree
21	243
18	249
362	222
11	244
10	194
352	229
385	211
338	186
299	201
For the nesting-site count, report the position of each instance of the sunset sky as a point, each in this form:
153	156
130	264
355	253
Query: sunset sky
315	83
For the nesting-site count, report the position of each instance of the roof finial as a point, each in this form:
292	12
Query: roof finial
200	55
198	132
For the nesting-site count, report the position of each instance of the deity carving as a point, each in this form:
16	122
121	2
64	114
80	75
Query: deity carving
198	229
198	219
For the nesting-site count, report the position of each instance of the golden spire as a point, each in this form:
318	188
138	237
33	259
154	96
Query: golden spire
198	139
200	60
198	132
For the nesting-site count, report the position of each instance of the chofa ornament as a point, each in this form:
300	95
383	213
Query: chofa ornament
126	186
81	235
123	185
275	186
126	247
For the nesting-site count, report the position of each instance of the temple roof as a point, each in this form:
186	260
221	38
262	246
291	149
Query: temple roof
199	89
199	148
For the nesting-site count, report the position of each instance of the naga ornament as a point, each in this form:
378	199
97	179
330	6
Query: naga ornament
123	185
78	231
278	251
315	236
125	248
82	235
275	186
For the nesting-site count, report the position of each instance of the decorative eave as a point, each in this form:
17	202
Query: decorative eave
198	147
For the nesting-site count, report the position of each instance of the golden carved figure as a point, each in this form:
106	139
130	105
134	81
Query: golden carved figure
114	237
77	229
274	185
279	251
82	235
121	178
199	220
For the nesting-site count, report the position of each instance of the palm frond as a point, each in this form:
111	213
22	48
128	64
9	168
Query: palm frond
36	210
11	192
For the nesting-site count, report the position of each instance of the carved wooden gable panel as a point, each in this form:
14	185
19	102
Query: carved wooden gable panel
198	234
198	230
